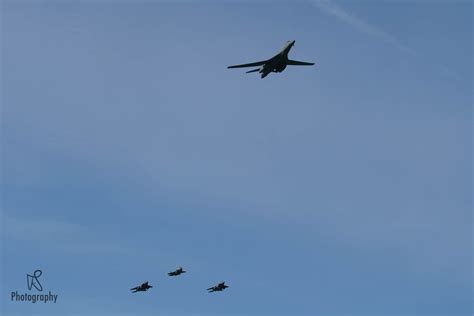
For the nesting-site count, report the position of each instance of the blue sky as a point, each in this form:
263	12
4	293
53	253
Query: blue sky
129	149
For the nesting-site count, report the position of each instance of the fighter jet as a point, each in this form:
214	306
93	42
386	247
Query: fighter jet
177	272
275	64
141	288
219	287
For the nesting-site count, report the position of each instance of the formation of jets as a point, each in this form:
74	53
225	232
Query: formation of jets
145	286
277	63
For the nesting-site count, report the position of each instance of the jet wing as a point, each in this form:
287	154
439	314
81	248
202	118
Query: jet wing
298	63
258	63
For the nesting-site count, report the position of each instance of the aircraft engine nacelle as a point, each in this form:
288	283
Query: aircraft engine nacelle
279	68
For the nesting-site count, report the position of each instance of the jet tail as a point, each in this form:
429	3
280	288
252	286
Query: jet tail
252	70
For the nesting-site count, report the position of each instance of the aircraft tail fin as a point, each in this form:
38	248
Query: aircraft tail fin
252	70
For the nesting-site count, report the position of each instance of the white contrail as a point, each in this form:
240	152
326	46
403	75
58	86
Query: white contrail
332	9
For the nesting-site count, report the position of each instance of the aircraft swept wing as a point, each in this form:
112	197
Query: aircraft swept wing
298	63
258	63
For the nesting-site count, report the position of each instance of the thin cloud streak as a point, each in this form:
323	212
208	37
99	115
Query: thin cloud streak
332	9
59	236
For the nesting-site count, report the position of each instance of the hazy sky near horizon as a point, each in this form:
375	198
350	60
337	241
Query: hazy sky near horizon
129	149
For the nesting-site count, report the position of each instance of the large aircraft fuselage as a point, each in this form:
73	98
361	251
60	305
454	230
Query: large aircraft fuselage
278	62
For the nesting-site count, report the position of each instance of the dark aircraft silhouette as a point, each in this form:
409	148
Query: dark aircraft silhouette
141	288
275	64
219	287
177	272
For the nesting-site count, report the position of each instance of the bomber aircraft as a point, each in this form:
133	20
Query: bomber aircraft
275	64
